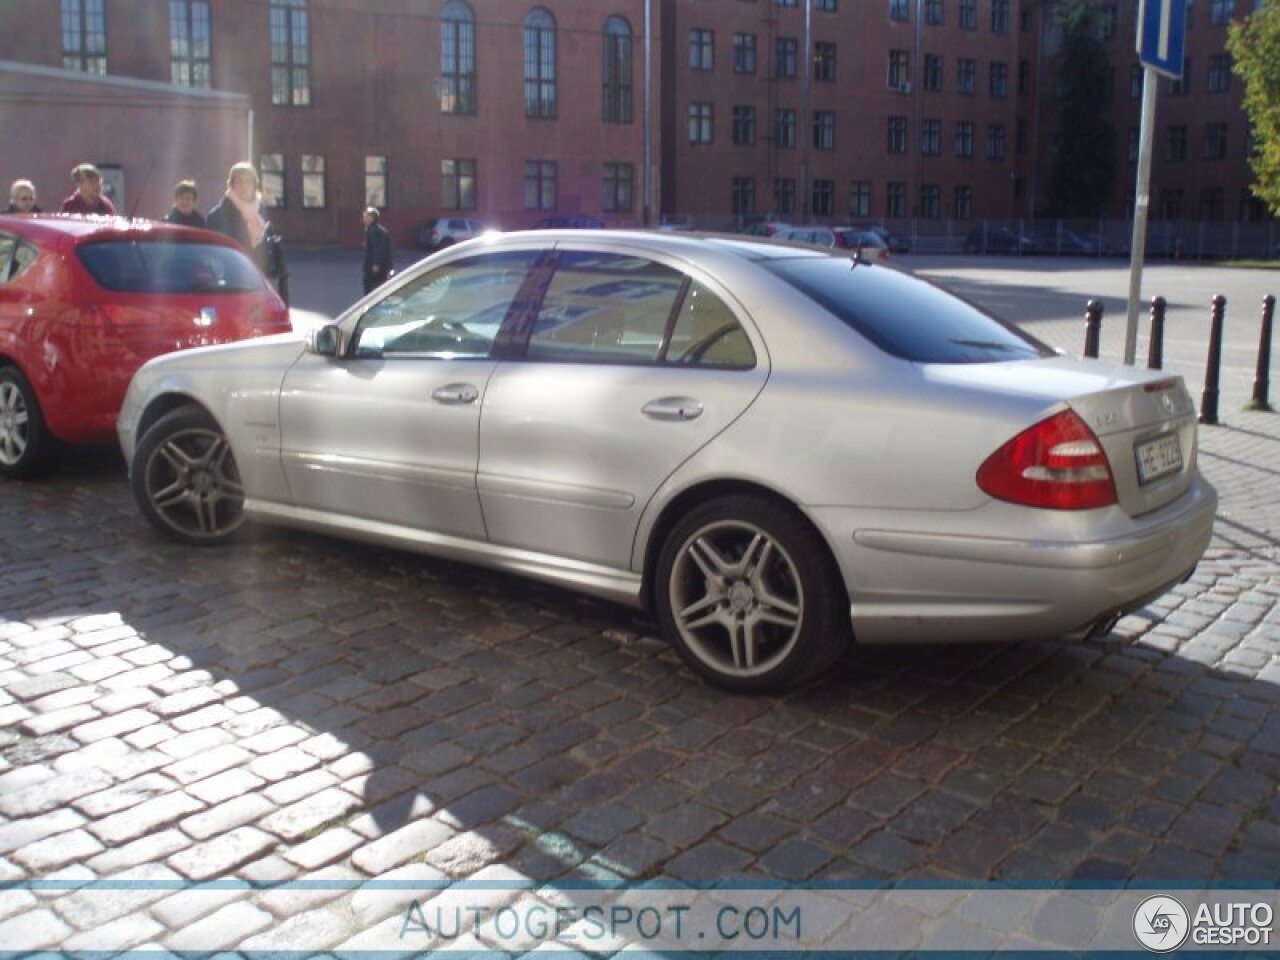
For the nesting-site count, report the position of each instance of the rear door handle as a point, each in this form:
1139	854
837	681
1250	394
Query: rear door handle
456	394
672	408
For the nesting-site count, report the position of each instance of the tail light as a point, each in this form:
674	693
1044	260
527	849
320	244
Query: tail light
1057	464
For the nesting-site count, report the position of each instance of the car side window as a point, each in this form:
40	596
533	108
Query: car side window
707	334
605	308
8	243
452	312
24	255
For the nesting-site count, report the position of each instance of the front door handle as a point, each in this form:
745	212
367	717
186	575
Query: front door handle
672	408
455	394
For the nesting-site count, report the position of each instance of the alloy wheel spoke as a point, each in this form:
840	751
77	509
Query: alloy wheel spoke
755	557
698	608
176	456
177	493
708	559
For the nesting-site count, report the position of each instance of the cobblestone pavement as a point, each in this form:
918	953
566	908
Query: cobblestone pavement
298	707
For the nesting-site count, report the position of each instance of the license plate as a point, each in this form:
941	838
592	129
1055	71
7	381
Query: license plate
1158	458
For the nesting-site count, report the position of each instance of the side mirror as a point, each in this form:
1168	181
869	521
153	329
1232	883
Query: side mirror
326	341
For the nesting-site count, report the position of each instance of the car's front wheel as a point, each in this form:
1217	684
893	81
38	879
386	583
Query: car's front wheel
27	449
747	591
185	479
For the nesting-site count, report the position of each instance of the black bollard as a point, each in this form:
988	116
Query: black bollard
1209	399
1092	328
1155	349
1262	380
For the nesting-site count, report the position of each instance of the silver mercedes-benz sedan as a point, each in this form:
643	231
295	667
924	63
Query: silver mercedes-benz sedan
778	451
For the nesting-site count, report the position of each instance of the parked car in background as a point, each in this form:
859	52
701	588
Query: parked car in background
774	453
446	231
569	223
895	242
999	240
765	228
86	301
838	238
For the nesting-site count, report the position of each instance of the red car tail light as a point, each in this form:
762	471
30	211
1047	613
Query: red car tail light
1057	464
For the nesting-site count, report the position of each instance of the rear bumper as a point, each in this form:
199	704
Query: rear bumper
951	588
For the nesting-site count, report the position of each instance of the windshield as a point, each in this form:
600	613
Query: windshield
158	266
905	316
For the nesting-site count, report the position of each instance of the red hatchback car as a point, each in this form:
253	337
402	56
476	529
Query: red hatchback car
85	301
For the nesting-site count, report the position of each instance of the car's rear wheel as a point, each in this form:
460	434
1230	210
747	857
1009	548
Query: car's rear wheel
747	591
27	448
185	479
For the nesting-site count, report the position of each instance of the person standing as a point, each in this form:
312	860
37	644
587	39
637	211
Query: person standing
88	196
184	212
22	197
377	250
242	216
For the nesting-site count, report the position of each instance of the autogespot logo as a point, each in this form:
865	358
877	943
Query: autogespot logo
1161	924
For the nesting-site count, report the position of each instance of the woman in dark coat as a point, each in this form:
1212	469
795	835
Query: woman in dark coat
242	216
377	250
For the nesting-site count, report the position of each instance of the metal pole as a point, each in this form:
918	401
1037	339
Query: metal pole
1092	328
1209	398
1155	349
647	173
806	121
1141	202
1262	378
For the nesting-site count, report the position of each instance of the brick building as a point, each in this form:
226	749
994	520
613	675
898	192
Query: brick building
937	112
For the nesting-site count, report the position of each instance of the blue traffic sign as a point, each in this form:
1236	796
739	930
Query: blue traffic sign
1162	34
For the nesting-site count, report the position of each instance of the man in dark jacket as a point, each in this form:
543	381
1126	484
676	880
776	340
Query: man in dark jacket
185	197
377	250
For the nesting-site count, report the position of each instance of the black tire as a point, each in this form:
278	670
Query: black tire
185	480
750	568
27	448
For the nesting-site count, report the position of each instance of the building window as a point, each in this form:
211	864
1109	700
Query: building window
824	62
313	191
619	188
290	54
84	36
933	12
962	203
189	48
744	53
700	122
784	57
995	141
1107	22
457	59
1177	143
899	10
824	198
744	125
1221	11
744	196
540	184
999	80
827	5
1024	77
824	130
271	179
1133	144
999	16
1211	206
617	71
539	65
964	138
930	201
931	138
1135	81
1182	87
702	49
458	184
784	196
897	134
784	127
860	198
899	69
1215	141
966	75
375	182
932	71
968	14
784	3
1220	73
895	200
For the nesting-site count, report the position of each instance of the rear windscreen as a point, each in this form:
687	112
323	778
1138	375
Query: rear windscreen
157	266
905	316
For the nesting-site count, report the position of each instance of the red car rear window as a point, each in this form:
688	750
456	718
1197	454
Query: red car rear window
158	266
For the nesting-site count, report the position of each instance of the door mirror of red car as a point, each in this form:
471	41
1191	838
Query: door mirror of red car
325	341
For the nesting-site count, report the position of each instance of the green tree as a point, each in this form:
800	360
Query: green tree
1255	51
1082	175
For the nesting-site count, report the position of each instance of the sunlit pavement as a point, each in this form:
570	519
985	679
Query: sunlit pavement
303	708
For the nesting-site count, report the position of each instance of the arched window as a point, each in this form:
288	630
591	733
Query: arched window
617	71
539	64
457	58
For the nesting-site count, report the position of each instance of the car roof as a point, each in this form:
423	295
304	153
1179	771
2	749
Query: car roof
76	228
691	244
